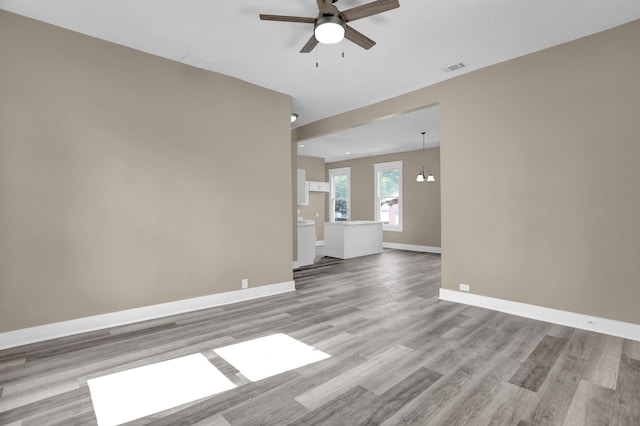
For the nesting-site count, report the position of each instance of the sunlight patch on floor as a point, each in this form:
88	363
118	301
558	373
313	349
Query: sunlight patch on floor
128	395
267	356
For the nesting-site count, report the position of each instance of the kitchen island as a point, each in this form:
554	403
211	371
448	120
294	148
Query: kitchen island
345	240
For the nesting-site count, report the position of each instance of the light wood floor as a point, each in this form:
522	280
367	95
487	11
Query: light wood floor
398	356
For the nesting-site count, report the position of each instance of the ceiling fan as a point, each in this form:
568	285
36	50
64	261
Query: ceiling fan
331	24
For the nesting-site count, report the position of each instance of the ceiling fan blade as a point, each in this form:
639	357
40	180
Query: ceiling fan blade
326	7
310	45
358	38
287	18
368	9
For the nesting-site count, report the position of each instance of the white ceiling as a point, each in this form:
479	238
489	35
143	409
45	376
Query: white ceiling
415	42
397	134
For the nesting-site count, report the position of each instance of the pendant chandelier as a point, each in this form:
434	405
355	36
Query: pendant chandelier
421	176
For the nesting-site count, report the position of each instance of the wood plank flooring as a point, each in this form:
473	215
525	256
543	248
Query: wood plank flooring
398	356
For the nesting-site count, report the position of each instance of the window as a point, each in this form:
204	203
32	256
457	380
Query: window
340	180
388	195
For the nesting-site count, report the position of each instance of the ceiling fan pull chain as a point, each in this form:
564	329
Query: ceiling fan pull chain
317	60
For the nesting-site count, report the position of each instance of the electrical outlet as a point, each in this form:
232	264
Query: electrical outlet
245	283
464	287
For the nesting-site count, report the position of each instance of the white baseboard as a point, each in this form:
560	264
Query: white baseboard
39	333
412	247
319	243
556	316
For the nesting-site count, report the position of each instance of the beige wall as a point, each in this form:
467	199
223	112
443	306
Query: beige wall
129	180
540	177
315	211
421	201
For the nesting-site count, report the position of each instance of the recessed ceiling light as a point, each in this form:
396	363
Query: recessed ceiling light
347	153
301	145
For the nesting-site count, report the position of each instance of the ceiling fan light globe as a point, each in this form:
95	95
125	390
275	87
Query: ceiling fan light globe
329	30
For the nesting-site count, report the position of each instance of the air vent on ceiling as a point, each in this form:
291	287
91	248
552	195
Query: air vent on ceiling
455	67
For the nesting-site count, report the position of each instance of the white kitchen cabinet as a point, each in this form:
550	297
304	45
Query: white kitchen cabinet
303	190
345	240
318	186
306	242
304	186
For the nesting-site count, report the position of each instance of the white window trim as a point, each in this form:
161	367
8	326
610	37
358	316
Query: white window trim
376	208
333	172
